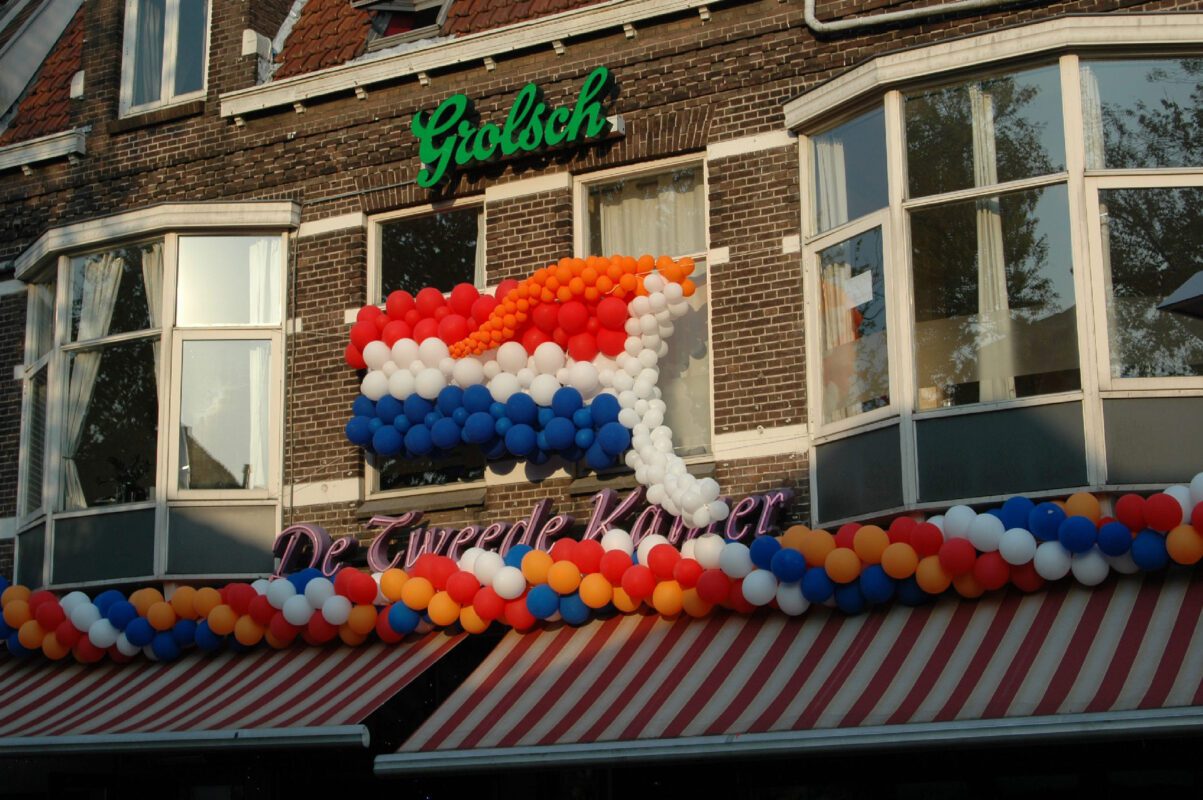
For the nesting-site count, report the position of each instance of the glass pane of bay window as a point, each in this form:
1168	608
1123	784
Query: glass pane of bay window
856	368
850	170
150	24
994	299
985	132
112	422
224	421
1152	243
190	46
117	291
41	321
438	250
229	280
35	458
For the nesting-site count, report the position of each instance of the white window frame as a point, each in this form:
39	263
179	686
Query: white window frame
167	96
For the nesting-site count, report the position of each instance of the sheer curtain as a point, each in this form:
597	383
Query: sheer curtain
264	282
152	282
838	331
831	186
148	52
264	310
101	278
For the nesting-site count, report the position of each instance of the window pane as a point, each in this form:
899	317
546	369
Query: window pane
190	47
856	368
1143	113
117	291
224	420
985	132
850	170
31	556
1153	242
112	425
41	321
439	251
35	462
229	280
994	299
659	215
148	52
685	376
463	465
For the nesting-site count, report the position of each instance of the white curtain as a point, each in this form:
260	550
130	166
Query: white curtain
1092	119
101	277
837	332
148	52
479	271
259	363
152	282
264	282
832	183
658	215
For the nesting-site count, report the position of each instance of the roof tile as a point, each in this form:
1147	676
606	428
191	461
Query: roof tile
46	107
473	16
328	32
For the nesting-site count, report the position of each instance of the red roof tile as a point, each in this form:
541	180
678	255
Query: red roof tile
328	32
472	16
46	107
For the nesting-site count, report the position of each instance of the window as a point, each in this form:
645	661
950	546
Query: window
165	52
662	211
151	398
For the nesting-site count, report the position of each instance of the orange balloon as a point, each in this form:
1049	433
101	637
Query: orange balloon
247	631
623	602
870	542
391	582
667	598
931	577
362	619
205	601
30	634
816	545
14	593
688	287
443	610
1185	545
183	601
349	636
273	642
416	593
51	647
563	577
842	565
595	590
222	620
535	566
471	621
794	536
16	613
1083	504
967	586
143	599
161	616
693	604
899	560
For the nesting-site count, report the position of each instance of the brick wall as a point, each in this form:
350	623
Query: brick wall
12	354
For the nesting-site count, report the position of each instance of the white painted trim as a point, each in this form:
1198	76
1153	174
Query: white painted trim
8	528
342	222
761	441
343	490
1027	41
166	216
473	48
350	315
791	244
11	287
718	256
25	51
558	181
746	145
255	44
43	148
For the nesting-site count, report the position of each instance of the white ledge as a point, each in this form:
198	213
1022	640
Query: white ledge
162	217
43	148
472	48
1086	31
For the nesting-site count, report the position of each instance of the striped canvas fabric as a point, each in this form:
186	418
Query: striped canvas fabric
299	687
1131	644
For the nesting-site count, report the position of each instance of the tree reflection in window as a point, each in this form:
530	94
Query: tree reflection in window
438	250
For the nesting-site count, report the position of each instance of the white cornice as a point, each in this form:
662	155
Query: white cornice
163	217
471	48
43	148
1152	31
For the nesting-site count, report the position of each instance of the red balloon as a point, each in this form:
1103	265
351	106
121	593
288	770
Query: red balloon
483	307
384	630
399	303
354	357
49	615
517	615
361	588
260	610
957	557
588	556
1196	517
282	629
737	600
900	530
574	317
441	312
463	586
425	329
117	656
614	565
38	597
661	560
504	288
1130	510
843	537
611	342
363	334
368	313
413	317
1026	578
452	328
991	571
926	539
546	316
341	581
563	550
1162	512
319	631
395	330
442	568
488	604
592	325
380	321
423	567
714	586
687	572
429	300
86	652
462	298
582	347
638	582
67	634
239	596
533	338
612	313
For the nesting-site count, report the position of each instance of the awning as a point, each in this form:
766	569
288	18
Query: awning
1122	658
302	696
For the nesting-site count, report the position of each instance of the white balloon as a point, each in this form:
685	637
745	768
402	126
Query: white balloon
149	652
416	366
628	417
549	358
388	368
648	324
376	353
405	352
938	521
487	565
525	376
84	616
467	372
503	386
468	558
278	592
687	548
509	583
511	356
985	531
297	610
1052	561
1017	546
433	350
492	368
401	384
633	326
1196	489
632	347
375	385
647	543
709	488
1182	495
648	358
957	521
1090	568
260	586
708	550
1124	564
318	591
623	382
719	510
650	342
102	634
582	376
71	601
617	539
789	596
640	306
657	301
447	366
380	600
430	382
336	609
673	292
126	648
760	587
735	560
543	389
700	518
654	283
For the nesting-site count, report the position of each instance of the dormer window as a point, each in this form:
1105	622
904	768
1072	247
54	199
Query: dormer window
164	54
397	21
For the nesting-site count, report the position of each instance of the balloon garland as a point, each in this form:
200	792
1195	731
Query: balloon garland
1021	543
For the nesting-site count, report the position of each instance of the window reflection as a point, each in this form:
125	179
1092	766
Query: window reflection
439	250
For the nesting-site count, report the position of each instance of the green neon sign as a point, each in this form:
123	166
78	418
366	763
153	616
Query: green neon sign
450	135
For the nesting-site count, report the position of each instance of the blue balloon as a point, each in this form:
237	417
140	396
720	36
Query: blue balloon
416	408
520	440
1148	551
15	647
206	639
403	619
477	398
375	424
479	427
387	441
542	601
613	437
5	629
502	426
122	613
445	434
460	415
573	454
762	550
105	600
497	410
1115	539
598	458
402	424
184	632
584	438
139	632
418	440
541	443
1016	511
496	449
540	456
450	398
1077	534
996	512
604	409
514	556
573	609
521	408
388	408
165	647
359	430
566	402
788	565
363	407
545	416
1045	521
816	586
560	433
430	419
5	582
849	598
301	579
875	584
582	419
909	592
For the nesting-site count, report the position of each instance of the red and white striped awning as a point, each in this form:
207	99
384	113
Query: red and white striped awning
299	696
1126	656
